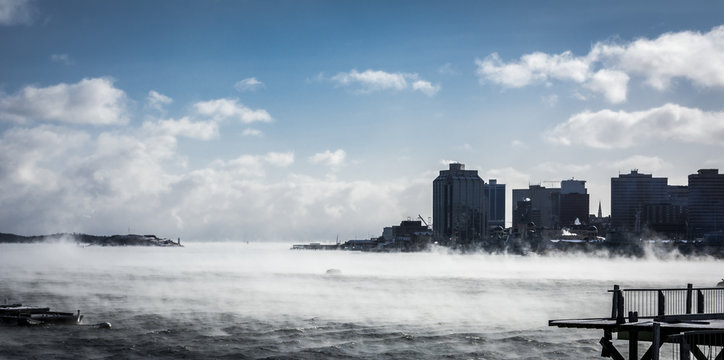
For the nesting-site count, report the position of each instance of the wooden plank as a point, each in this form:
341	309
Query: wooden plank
610	350
697	353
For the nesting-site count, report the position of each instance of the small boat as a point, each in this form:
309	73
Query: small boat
32	315
720	284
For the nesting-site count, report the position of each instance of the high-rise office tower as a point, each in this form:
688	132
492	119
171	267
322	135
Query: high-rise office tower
545	201
630	193
574	202
495	195
458	205
706	202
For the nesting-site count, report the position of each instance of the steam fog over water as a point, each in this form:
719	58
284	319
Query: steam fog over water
238	300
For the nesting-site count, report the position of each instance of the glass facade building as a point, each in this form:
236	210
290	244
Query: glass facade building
706	202
495	195
574	202
458	205
630	194
545	201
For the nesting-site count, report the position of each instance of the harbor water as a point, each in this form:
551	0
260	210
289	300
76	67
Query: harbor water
263	301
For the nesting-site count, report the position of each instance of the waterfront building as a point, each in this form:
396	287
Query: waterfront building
668	218
524	214
544	202
574	202
665	219
458	205
630	193
495	195
706	202
678	195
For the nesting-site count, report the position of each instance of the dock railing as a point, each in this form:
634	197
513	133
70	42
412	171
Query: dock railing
652	303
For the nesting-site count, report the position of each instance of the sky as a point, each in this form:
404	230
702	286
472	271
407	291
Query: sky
312	120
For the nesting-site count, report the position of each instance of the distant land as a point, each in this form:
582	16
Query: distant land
85	239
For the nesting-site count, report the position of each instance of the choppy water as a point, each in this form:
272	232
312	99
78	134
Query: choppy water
258	301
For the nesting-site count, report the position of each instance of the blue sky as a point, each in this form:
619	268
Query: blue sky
301	120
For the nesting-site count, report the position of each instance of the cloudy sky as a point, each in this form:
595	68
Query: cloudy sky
304	120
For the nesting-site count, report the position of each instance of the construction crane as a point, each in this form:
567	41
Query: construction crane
423	220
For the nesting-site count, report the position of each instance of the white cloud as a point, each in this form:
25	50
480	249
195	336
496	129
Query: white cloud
248	84
608	129
608	67
157	101
252	132
90	101
61	58
202	130
15	12
550	100
698	57
377	80
447	69
280	159
533	68
27	156
254	165
646	164
60	178
231	109
562	169
329	158
373	79
113	179
611	83
425	87
512	178
518	144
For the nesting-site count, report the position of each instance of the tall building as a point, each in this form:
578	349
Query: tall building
574	202
630	193
543	201
668	218
495	195
706	202
458	205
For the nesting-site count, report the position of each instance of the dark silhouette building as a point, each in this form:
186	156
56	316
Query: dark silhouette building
574	202
544	204
524	214
630	193
458	205
495	195
706	202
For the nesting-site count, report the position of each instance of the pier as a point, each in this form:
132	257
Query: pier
690	319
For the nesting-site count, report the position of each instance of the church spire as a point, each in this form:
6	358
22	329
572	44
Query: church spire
599	209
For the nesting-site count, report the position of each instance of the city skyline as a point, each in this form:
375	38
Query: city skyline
301	120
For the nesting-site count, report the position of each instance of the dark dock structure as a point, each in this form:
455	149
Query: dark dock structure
690	319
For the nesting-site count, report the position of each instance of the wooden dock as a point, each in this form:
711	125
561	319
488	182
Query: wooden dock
691	319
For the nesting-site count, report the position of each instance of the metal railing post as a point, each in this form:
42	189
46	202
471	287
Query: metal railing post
614	301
